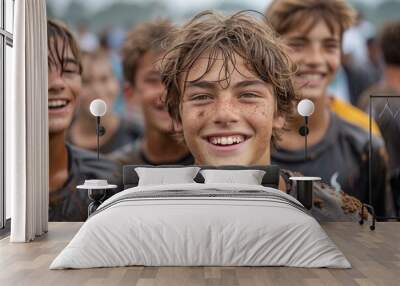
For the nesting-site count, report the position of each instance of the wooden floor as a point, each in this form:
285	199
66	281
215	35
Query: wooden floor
374	255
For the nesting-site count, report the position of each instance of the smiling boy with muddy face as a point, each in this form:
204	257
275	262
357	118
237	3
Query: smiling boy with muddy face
228	121
230	91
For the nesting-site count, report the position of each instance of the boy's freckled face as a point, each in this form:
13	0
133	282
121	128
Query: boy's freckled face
228	122
317	55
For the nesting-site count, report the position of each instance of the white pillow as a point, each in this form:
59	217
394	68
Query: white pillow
163	176
248	177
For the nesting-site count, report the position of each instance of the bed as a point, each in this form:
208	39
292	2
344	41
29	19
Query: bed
195	223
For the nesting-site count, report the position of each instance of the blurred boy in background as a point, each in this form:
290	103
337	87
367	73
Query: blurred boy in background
338	149
69	166
99	81
141	54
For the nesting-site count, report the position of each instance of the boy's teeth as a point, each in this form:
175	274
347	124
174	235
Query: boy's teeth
57	103
228	140
311	76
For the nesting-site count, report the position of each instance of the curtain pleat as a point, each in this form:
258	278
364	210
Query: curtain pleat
44	129
15	130
27	161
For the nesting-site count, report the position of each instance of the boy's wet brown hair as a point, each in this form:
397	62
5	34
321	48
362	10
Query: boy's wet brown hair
59	38
287	15
145	37
214	35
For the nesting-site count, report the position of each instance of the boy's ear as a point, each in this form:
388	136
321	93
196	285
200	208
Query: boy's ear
279	121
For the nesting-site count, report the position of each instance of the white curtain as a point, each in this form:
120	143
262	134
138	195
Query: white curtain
26	124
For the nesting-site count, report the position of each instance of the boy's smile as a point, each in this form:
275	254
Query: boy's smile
224	144
228	120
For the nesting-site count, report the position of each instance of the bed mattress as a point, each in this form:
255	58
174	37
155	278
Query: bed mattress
201	225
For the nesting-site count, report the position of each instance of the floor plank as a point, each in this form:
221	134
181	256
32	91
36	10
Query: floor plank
374	255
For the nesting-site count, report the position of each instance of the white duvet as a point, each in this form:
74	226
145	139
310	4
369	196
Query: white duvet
239	227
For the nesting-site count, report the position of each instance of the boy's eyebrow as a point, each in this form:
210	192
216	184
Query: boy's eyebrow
305	38
202	84
247	83
298	38
153	73
64	62
70	61
332	39
213	85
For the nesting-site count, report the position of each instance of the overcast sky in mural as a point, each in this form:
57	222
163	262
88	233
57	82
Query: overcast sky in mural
179	4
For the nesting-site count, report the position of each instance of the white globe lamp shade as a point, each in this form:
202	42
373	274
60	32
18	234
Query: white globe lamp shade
98	107
305	107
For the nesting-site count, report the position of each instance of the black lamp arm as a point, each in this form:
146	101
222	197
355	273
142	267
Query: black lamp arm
100	131
303	131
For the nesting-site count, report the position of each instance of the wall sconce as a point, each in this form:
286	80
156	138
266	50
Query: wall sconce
98	108
305	108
